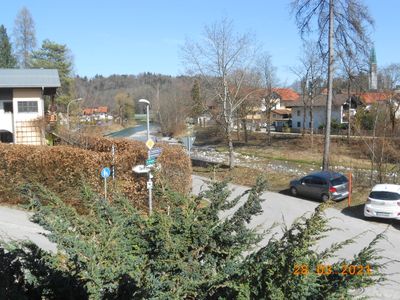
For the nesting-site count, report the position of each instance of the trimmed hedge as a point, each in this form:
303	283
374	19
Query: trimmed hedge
62	169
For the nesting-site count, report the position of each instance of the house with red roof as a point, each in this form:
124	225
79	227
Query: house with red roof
339	109
278	104
96	113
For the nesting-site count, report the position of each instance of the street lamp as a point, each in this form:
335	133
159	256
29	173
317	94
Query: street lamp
147	102
74	100
149	183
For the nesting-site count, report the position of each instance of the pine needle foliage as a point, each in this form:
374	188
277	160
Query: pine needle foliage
192	250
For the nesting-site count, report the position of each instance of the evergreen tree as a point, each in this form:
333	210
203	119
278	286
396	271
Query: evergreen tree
56	56
7	59
197	103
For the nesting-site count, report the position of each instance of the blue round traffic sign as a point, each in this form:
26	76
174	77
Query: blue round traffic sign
105	172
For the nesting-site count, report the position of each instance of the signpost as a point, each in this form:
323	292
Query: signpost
188	142
152	155
105	173
149	143
113	161
141	169
150	162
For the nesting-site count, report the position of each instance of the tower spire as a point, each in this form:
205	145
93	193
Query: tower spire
372	58
373	74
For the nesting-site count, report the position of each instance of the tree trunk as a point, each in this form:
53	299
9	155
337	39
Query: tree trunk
349	112
312	122
246	136
373	148
269	128
325	159
304	118
238	128
230	147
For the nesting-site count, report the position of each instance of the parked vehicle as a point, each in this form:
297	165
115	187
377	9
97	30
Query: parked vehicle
271	127
323	185
383	202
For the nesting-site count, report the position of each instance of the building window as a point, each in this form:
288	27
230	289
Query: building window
298	124
27	106
298	113
8	107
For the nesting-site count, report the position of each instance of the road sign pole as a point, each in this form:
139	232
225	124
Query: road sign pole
150	187
113	167
105	172
105	188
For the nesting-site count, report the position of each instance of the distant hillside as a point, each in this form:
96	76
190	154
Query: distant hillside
101	90
169	96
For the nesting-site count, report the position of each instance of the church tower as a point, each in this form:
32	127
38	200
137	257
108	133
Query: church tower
373	74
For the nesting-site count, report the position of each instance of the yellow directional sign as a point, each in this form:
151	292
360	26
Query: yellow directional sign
150	143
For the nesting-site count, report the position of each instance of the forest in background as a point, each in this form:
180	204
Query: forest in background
170	96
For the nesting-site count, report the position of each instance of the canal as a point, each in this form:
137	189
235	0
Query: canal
138	132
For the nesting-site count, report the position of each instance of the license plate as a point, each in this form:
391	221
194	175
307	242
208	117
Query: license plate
378	202
383	214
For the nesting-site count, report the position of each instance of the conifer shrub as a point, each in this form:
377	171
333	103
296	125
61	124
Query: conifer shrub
114	252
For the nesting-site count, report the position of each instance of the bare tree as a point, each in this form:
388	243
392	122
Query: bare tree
24	36
252	96
309	72
390	79
268	80
221	60
125	107
174	106
342	21
351	65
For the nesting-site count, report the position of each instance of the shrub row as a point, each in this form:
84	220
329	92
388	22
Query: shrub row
64	168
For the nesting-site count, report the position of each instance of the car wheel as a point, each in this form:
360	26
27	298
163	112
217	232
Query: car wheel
293	190
325	197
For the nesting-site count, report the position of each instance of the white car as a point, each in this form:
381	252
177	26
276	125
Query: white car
383	202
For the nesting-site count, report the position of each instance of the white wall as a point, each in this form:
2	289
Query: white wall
28	95
318	113
26	131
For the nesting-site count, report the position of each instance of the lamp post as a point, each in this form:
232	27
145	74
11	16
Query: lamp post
147	102
74	100
149	183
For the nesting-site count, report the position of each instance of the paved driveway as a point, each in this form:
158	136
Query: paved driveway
285	209
15	225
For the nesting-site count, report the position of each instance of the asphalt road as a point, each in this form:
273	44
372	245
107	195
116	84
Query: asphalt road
15	225
285	209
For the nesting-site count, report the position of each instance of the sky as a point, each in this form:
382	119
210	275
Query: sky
132	37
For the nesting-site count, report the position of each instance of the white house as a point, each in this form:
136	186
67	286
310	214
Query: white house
339	111
22	109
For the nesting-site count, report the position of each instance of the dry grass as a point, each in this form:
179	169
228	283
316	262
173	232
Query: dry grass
299	150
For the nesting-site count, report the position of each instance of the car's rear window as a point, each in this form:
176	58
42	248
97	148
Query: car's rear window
381	195
339	180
